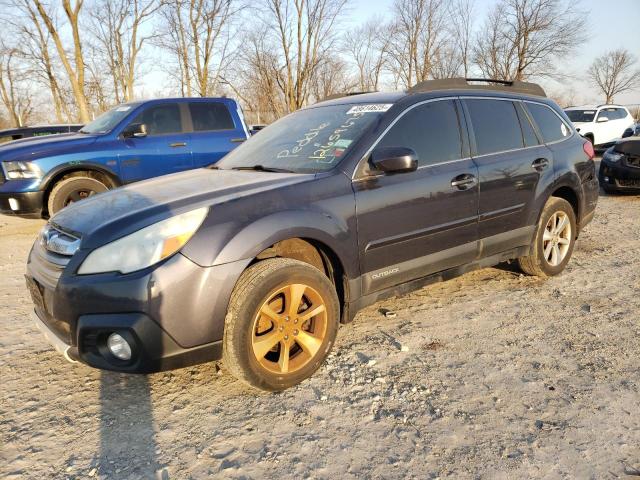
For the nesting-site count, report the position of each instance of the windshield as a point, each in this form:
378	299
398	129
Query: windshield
580	115
307	141
108	120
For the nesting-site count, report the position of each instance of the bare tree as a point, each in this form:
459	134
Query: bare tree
418	38
199	34
462	14
75	68
331	77
614	73
118	31
16	101
367	48
35	43
301	33
523	38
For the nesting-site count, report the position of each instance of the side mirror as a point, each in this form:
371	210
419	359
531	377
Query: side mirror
602	119
394	159
627	133
136	130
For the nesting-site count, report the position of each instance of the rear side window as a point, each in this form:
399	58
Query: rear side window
549	124
210	116
431	130
528	134
495	125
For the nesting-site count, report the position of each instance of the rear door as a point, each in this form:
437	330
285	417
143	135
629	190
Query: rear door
165	149
511	161
215	131
417	223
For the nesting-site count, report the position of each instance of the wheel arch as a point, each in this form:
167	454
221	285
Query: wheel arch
57	174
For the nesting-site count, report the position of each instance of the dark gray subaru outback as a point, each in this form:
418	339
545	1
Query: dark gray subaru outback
258	259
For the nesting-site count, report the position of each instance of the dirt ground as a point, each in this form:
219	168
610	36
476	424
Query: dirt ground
491	375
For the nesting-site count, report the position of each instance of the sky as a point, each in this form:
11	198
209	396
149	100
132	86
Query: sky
612	24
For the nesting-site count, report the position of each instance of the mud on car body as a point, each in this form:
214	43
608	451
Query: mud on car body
258	259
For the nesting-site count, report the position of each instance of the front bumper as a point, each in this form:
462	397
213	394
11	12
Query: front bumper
619	176
23	204
171	314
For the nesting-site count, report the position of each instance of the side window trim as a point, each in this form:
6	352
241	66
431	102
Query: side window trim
358	172
569	126
524	116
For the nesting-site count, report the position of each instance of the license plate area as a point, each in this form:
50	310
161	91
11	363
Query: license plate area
37	293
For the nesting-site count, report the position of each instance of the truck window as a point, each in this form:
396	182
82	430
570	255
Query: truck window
161	119
210	116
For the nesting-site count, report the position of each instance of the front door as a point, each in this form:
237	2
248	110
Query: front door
416	223
165	149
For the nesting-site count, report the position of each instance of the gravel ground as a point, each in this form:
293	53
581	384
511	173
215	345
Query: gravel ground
491	375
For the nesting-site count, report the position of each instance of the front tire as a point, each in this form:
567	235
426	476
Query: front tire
281	323
554	240
73	189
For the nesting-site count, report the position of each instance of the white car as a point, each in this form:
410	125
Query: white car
601	124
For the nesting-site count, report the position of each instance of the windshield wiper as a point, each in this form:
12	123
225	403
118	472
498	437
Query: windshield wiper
262	168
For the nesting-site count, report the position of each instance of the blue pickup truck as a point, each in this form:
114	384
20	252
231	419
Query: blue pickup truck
131	142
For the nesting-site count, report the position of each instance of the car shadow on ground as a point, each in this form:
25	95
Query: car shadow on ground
128	446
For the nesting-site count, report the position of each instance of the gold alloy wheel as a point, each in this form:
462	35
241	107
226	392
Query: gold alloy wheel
289	328
556	238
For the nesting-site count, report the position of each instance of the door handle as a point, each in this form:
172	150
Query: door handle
178	144
540	164
238	140
464	181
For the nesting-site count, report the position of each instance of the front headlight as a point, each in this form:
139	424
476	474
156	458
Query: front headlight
145	247
612	156
16	170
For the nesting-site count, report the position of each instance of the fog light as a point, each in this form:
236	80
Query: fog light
606	179
13	203
119	347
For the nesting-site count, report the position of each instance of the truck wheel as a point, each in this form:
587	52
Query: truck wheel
281	323
554	240
73	189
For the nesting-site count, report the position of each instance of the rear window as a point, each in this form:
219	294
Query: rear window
549	124
495	125
210	116
580	115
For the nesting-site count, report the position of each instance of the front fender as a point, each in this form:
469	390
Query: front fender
77	165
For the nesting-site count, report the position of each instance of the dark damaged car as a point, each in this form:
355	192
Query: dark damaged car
258	259
620	167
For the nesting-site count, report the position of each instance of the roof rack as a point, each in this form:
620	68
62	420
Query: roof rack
344	94
514	86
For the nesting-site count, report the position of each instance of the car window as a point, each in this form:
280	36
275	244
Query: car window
610	113
431	130
161	119
210	116
528	133
581	115
549	124
495	125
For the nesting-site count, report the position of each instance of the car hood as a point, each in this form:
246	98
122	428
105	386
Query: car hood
35	147
101	219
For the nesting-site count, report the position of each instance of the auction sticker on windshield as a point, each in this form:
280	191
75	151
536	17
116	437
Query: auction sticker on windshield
375	108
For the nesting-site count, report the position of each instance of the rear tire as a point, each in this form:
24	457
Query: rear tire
72	189
554	240
275	350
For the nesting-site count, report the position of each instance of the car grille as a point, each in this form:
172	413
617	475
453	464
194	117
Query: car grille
633	161
628	183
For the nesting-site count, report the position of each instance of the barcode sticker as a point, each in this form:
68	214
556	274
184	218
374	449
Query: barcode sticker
375	108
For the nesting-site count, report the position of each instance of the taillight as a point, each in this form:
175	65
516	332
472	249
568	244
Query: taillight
587	146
